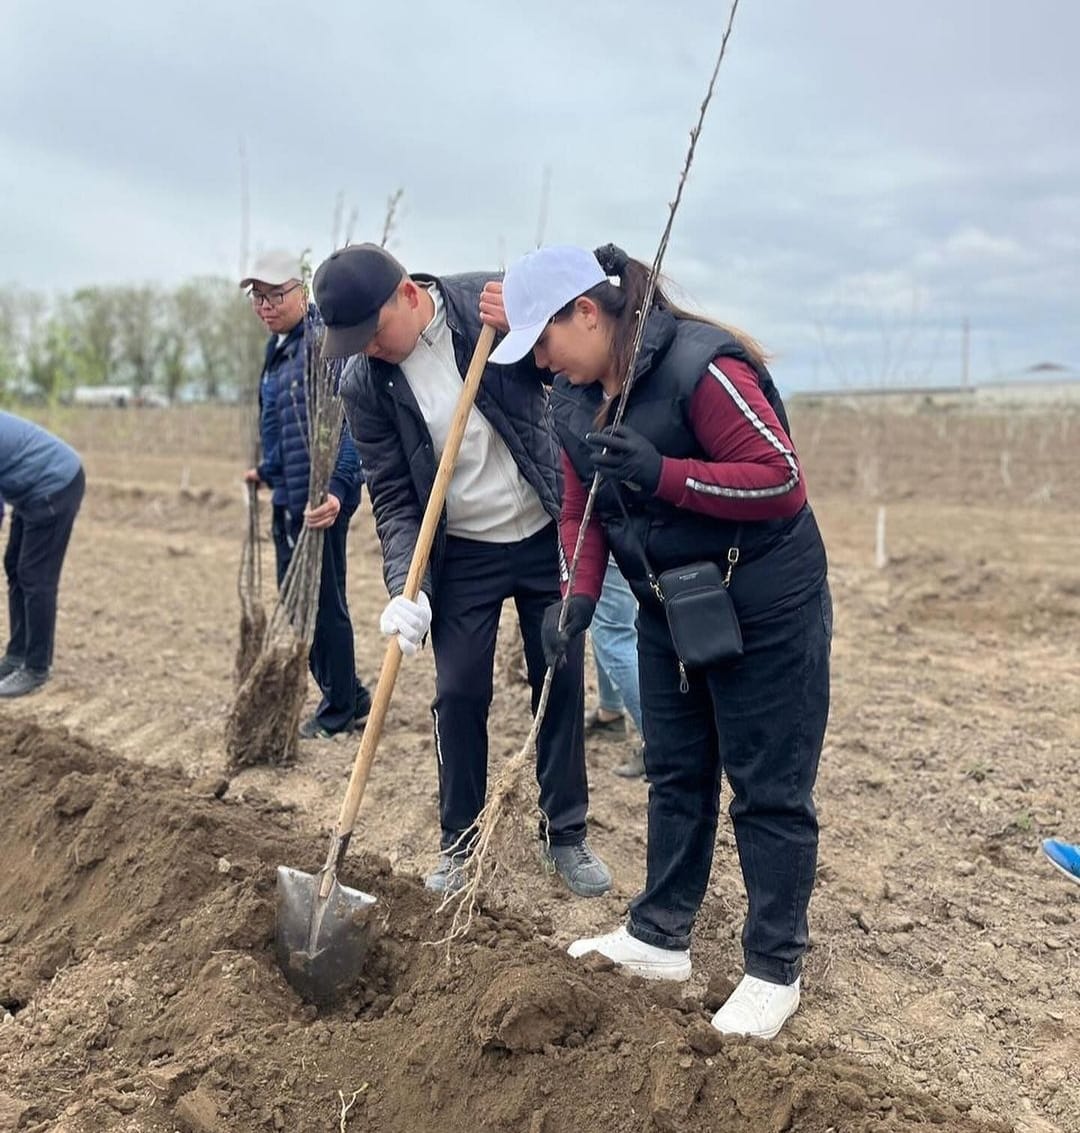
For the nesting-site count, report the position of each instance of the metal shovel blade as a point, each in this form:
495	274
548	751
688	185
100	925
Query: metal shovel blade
321	944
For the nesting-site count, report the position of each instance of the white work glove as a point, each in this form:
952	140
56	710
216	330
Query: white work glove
409	620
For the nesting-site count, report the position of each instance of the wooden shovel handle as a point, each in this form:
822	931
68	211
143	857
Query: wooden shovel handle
365	755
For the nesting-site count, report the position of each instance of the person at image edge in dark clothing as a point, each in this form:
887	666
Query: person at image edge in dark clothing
279	298
702	468
42	481
412	338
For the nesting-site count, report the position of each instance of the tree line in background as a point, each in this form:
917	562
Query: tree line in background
198	340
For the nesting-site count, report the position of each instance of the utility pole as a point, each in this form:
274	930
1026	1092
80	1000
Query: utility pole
967	354
545	197
245	210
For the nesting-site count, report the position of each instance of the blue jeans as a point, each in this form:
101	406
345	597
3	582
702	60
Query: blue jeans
759	720
614	639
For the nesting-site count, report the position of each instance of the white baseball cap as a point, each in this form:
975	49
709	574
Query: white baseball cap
538	286
274	267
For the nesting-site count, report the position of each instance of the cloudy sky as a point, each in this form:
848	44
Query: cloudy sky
871	173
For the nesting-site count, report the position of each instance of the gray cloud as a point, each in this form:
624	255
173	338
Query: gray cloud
870	174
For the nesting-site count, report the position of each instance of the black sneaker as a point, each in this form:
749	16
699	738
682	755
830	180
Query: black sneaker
595	725
22	681
311	729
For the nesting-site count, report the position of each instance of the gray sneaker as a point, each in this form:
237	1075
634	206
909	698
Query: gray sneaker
612	729
8	665
22	681
448	877
634	767
584	873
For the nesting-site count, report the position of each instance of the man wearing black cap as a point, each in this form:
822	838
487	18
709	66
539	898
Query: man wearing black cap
413	337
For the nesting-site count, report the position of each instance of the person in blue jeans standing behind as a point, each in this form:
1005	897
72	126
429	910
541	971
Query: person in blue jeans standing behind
42	480
614	641
279	298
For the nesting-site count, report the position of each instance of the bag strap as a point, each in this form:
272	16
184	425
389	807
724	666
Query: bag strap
650	574
654	582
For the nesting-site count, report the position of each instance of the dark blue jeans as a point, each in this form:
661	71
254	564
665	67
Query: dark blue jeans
761	721
33	560
332	659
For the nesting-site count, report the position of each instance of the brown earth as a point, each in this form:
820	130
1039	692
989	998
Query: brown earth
136	883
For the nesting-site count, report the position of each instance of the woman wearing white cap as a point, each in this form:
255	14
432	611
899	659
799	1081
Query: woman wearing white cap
703	505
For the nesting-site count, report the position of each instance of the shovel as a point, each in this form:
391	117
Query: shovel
323	927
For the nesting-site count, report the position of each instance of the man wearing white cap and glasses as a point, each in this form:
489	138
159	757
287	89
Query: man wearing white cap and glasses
279	298
412	338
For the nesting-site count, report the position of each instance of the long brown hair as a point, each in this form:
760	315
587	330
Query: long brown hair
622	302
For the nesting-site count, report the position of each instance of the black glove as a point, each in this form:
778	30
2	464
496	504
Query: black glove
579	614
629	458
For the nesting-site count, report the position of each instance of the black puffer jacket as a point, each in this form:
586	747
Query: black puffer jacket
395	444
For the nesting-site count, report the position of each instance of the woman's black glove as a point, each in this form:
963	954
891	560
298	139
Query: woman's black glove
629	458
579	614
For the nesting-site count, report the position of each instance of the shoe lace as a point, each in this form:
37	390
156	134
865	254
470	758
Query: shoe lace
759	995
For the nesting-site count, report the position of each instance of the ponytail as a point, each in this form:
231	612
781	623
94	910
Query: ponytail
622	304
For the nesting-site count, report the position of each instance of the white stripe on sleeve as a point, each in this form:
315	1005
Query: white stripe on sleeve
767	433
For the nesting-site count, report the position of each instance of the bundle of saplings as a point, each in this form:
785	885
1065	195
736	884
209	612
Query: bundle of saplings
265	717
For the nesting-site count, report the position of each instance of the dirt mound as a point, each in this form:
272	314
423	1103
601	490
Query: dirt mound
936	590
136	967
158	508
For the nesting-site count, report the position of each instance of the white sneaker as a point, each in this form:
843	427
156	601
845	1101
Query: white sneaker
757	1008
637	957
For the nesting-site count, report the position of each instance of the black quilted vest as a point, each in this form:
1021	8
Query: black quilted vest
781	562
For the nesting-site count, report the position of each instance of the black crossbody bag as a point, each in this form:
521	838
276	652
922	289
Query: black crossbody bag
697	603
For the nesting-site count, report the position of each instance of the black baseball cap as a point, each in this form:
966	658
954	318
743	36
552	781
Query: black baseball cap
349	289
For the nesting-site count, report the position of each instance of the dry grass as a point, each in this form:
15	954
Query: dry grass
190	430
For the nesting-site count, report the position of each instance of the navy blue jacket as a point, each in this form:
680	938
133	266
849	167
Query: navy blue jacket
395	444
33	463
283	427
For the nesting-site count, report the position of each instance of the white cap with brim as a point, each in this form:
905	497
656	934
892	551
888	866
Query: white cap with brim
538	286
273	268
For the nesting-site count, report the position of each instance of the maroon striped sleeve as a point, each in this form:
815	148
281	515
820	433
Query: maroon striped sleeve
752	471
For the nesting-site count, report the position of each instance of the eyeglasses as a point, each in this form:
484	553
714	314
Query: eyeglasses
273	298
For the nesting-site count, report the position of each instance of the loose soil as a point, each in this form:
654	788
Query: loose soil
136	879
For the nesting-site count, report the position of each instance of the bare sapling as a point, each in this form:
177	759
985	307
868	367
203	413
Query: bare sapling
249	582
265	717
493	835
390	220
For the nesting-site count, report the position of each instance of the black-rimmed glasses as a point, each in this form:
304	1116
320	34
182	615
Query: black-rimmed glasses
274	298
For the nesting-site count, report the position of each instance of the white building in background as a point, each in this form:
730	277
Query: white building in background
118	397
103	395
